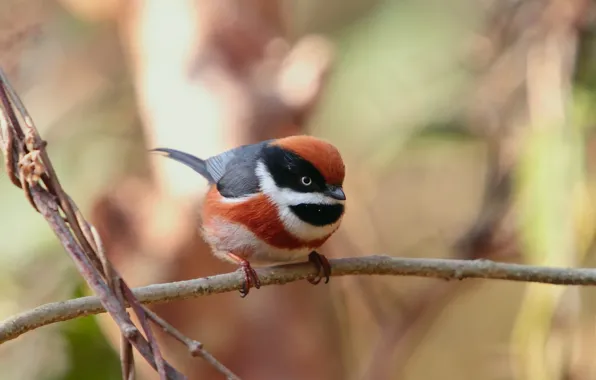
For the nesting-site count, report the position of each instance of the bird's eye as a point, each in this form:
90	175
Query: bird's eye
306	181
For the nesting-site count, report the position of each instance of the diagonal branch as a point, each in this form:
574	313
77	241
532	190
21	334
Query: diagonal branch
48	208
29	168
446	269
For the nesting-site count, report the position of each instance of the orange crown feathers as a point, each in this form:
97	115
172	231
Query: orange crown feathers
324	156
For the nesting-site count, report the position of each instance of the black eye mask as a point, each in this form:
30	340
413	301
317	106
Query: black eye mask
287	170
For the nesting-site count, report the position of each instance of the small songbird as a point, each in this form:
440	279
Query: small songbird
273	202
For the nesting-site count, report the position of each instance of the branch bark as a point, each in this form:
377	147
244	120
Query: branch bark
446	269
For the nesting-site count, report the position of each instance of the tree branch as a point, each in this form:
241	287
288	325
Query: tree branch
446	269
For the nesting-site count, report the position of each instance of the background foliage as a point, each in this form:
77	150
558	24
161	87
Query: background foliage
434	104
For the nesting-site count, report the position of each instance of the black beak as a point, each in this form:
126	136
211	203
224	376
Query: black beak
335	192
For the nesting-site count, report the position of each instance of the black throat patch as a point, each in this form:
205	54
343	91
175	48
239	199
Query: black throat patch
318	214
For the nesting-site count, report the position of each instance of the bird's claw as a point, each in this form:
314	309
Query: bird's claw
251	279
322	265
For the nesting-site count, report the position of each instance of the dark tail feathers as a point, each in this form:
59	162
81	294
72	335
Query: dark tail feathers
189	160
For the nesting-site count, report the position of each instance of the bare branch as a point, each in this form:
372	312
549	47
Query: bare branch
446	269
195	348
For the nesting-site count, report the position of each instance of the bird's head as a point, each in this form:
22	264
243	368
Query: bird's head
304	175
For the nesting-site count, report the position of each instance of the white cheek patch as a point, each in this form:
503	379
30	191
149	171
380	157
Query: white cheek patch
284	198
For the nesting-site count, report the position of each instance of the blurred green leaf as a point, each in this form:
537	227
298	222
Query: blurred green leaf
91	357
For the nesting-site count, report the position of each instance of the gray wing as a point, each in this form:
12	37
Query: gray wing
239	180
234	170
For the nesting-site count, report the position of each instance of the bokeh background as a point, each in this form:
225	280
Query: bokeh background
467	131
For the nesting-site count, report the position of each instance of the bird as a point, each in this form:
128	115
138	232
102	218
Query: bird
272	202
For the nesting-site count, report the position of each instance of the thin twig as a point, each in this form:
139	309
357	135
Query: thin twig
445	269
195	348
138	309
113	280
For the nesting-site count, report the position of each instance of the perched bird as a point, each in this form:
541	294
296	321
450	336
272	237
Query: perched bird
273	202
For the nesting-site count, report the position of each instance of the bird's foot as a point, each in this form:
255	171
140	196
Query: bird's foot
251	279
322	265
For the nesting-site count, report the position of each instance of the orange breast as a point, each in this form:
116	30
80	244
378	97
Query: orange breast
259	215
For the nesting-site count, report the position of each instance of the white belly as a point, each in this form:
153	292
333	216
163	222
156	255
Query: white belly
225	237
